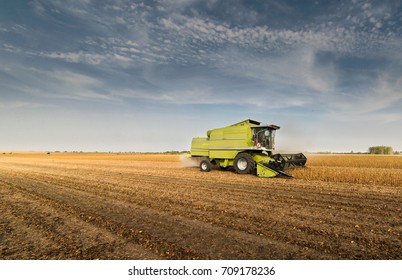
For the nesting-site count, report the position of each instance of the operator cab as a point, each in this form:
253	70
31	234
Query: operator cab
264	136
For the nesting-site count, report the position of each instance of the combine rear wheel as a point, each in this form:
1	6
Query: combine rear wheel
205	165
244	163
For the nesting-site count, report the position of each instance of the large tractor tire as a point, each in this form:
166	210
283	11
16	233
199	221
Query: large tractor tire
244	163
205	165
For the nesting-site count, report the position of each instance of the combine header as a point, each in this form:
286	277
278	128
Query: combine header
248	146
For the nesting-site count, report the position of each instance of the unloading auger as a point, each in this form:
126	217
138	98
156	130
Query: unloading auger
248	147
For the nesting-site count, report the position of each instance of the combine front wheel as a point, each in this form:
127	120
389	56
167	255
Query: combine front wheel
205	165
244	163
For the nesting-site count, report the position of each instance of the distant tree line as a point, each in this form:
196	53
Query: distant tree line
381	150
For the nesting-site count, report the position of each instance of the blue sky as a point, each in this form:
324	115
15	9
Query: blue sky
149	75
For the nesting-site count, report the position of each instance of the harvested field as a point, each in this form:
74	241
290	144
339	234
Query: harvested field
108	206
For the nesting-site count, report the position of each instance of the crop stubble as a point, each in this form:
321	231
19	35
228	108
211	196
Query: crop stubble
105	206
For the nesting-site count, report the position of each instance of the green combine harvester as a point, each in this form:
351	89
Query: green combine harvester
248	147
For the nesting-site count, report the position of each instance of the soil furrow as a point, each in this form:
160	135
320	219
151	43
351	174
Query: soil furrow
147	227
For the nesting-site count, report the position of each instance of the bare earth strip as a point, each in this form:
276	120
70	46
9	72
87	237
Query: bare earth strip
83	206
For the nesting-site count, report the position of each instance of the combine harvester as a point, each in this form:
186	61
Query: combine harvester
248	146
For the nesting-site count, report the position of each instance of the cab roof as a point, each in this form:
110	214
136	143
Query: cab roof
254	123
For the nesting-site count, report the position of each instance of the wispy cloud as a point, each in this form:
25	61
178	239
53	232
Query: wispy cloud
74	79
260	37
65	84
3	29
76	57
386	94
22	105
72	57
51	86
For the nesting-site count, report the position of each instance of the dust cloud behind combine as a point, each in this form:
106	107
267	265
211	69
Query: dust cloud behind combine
187	161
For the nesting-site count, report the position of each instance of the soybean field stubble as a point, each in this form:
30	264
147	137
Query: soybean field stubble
132	206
